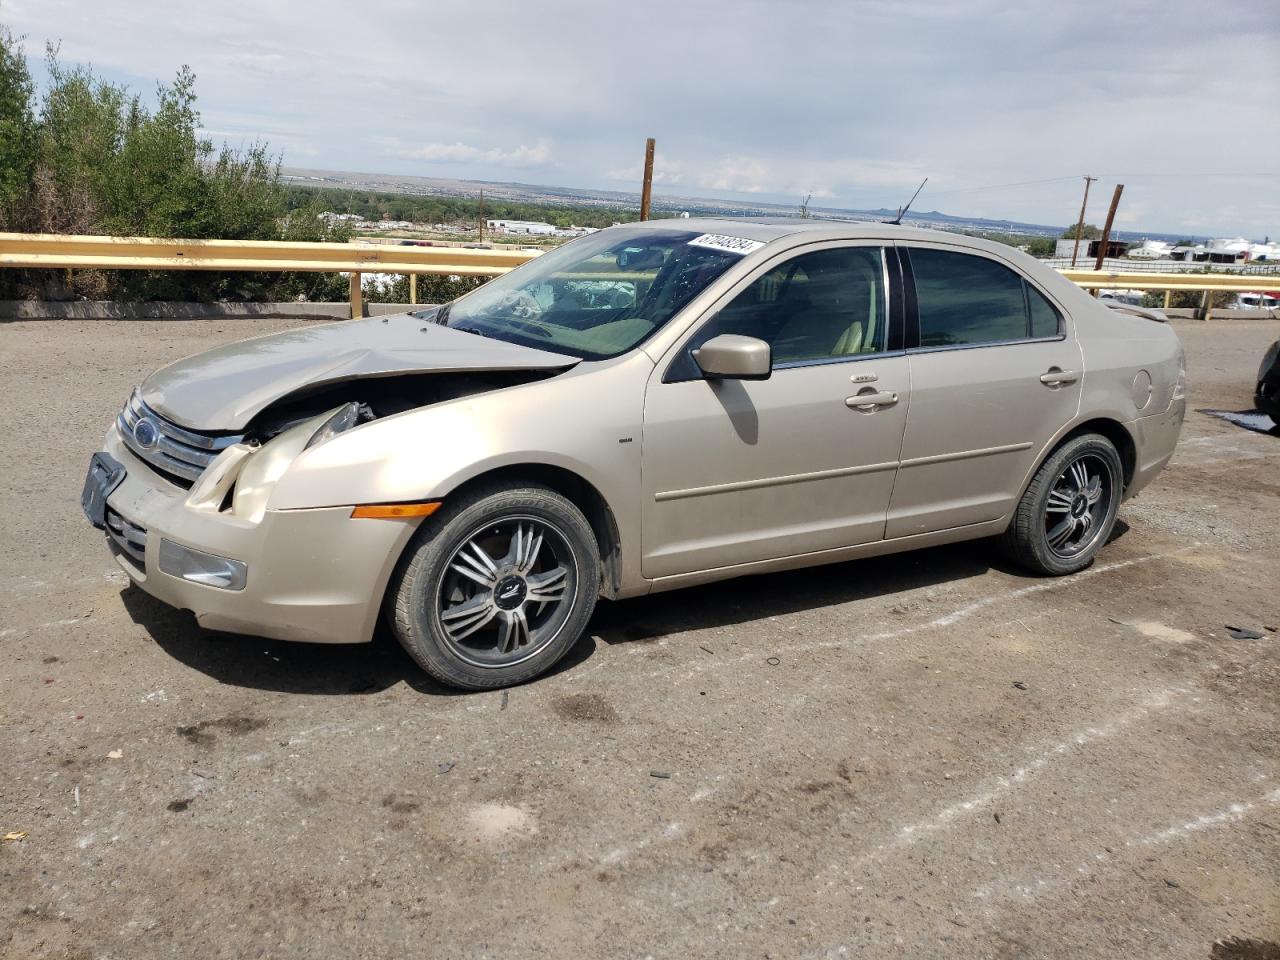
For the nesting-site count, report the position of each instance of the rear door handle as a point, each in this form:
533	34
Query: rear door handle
1056	377
868	402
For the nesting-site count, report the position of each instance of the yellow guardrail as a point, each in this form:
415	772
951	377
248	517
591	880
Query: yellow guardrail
1241	282
1169	282
55	251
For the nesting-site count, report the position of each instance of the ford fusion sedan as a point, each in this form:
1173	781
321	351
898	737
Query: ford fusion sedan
648	407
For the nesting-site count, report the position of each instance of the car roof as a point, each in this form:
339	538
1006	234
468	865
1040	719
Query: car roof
768	229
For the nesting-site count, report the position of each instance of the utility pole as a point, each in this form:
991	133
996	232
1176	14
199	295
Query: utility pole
482	216
1080	223
646	191
1106	229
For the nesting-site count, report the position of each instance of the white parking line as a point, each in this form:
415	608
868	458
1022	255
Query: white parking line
1001	786
946	620
1232	814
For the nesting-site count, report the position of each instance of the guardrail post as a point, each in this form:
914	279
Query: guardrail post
1206	305
413	288
357	302
1168	299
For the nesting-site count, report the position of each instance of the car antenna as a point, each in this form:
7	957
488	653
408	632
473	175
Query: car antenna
897	221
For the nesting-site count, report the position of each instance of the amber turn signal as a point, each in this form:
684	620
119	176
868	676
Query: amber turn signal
394	511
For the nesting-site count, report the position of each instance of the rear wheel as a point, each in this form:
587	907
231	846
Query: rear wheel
498	589
1069	509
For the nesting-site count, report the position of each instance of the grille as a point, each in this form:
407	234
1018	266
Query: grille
128	536
178	455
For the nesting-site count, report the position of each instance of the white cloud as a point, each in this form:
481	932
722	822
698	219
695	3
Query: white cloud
854	102
522	156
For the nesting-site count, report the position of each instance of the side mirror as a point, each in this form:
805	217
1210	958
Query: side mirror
731	356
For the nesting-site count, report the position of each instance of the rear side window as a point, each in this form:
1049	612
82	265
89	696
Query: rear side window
1045	321
965	300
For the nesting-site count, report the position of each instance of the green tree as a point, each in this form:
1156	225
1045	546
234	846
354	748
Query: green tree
1090	232
17	126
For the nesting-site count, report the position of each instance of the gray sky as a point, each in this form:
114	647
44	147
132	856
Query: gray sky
852	101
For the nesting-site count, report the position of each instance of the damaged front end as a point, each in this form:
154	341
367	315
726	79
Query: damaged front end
234	473
226	424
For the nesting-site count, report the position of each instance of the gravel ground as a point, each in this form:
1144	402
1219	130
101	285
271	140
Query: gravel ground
926	755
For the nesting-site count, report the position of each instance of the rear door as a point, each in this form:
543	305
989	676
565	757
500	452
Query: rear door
995	372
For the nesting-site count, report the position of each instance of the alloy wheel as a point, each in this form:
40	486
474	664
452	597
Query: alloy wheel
506	591
1077	505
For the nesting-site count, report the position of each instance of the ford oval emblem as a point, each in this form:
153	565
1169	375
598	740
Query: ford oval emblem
145	433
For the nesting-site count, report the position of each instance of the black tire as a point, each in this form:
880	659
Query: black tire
432	583
1035	538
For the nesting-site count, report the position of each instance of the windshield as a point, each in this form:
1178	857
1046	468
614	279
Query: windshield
598	296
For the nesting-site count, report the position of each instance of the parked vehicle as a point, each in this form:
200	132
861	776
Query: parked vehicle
1267	397
648	407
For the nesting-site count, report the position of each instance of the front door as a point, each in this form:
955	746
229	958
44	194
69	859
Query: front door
738	471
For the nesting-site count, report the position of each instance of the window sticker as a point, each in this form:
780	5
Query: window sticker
718	241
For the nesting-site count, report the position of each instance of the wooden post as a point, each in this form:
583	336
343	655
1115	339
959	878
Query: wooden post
413	288
1106	230
1080	223
357	302
646	190
1168	298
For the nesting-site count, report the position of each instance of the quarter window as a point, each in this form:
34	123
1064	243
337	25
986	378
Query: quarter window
825	305
1045	321
965	300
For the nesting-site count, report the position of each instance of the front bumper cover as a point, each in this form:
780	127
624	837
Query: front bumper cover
313	574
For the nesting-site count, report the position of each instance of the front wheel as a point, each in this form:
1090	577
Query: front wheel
1069	509
497	589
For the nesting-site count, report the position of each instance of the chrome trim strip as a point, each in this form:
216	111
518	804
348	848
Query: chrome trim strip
665	495
992	343
155	456
167	426
197	458
177	452
847	358
128	536
965	455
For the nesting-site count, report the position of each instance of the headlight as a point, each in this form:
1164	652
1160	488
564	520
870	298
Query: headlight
344	418
260	472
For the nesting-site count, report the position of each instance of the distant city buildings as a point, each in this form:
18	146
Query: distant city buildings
1237	250
533	228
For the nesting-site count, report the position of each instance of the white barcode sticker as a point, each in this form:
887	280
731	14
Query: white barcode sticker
718	241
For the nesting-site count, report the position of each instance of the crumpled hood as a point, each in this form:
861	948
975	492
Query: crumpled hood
224	388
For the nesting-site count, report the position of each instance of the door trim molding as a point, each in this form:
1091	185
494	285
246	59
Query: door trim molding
663	496
966	454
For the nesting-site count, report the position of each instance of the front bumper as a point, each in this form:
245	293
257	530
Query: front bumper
315	575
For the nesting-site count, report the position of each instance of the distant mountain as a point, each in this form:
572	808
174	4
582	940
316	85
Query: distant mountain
705	206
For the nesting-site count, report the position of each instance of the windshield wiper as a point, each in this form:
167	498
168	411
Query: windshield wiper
438	316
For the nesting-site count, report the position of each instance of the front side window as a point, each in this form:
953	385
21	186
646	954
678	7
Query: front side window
596	297
825	305
965	300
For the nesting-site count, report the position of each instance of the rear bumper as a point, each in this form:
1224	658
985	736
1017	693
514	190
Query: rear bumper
1155	439
313	575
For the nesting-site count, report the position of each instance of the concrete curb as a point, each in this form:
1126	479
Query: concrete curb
165	310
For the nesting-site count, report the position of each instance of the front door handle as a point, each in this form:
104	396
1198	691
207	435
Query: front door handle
1056	377
868	402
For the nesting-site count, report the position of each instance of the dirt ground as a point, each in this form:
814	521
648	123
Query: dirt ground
928	755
